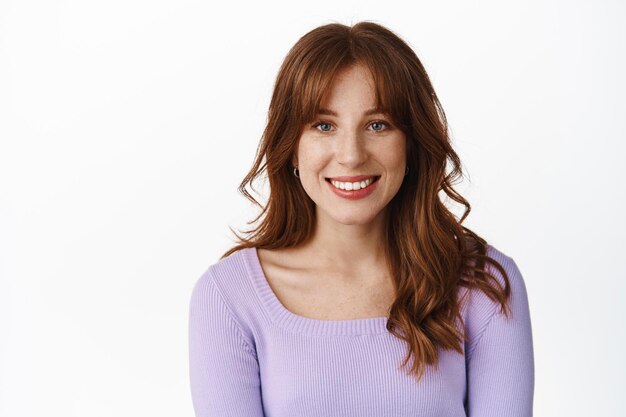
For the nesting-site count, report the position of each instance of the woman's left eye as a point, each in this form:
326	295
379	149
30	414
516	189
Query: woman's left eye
379	122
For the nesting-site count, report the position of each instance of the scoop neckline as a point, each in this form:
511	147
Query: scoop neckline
285	318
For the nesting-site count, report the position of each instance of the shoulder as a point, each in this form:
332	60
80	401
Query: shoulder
224	273
479	309
513	273
228	283
230	271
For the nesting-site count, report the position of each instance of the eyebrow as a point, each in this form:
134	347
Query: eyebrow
373	110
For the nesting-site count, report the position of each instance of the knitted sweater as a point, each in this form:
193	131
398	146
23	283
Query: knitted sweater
251	357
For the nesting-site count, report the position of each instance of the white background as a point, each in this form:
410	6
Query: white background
127	125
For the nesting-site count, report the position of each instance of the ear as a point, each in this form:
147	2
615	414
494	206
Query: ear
294	161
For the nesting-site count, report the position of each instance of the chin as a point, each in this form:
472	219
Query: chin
353	219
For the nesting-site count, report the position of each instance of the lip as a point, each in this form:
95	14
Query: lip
353	178
355	194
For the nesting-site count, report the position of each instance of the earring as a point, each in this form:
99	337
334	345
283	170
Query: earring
296	172
406	171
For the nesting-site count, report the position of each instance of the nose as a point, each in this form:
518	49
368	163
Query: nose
350	149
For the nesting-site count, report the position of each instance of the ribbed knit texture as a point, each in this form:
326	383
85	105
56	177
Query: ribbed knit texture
250	357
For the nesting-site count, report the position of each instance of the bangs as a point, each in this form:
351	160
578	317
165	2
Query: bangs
317	81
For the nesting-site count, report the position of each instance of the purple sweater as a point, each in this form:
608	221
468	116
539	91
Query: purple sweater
250	357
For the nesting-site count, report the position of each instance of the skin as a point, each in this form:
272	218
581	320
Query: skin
350	143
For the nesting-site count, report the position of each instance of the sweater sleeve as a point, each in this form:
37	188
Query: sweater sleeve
500	361
223	367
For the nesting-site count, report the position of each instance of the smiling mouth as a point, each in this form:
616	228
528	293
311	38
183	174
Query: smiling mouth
350	186
376	178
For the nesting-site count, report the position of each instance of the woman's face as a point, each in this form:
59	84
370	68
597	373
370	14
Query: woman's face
348	139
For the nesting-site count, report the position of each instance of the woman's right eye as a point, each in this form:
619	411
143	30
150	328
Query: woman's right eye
323	124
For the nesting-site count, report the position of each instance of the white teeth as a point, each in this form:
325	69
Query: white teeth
352	185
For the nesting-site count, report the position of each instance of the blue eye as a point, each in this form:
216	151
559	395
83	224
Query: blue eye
322	124
378	122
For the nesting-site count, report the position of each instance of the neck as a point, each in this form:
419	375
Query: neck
355	249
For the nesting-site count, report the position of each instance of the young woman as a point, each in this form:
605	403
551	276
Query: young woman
359	293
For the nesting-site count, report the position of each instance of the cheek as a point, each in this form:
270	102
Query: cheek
311	157
395	153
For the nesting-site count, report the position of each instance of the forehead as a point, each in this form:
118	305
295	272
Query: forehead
317	90
355	71
368	112
353	85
